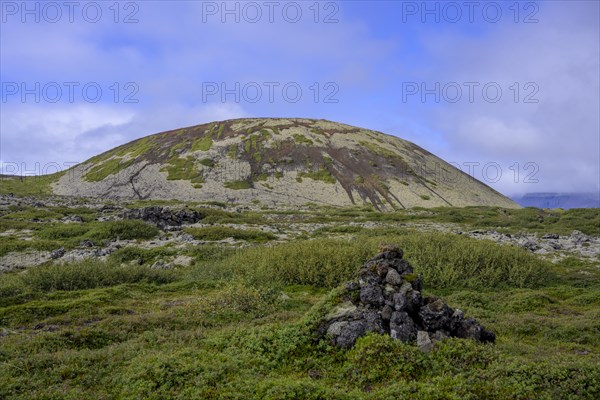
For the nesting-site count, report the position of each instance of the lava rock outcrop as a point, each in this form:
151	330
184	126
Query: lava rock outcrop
387	299
164	217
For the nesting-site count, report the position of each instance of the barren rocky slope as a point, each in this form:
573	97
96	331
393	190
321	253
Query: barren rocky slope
277	162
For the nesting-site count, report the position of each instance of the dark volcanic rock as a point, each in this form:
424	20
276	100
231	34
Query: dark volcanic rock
371	295
164	217
387	299
57	253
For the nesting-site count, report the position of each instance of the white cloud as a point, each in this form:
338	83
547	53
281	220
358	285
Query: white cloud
561	132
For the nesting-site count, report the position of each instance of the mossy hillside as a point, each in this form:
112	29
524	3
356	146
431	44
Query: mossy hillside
158	148
286	146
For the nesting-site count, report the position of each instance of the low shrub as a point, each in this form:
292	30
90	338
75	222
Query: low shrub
87	274
444	260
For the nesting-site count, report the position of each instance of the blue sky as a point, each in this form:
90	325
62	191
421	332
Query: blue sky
490	86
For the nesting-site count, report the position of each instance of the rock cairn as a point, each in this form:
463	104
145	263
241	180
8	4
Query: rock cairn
387	299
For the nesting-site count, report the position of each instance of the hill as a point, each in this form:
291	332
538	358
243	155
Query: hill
278	162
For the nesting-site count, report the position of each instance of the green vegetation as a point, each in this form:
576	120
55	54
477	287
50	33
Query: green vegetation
184	169
131	150
301	139
240	321
29	185
213	216
202	144
425	197
207	162
109	230
47	237
232	151
237	185
102	170
443	260
379	150
322	174
529	219
222	232
88	274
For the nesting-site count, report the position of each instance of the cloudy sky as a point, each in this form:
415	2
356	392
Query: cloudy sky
508	91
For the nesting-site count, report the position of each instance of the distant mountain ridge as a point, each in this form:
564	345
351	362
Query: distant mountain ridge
559	200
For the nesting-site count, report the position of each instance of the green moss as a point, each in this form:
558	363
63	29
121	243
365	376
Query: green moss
174	150
219	132
301	139
322	174
359	180
379	150
107	168
207	162
184	169
232	151
425	197
237	185
202	144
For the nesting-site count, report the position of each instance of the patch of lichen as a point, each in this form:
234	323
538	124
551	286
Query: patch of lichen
322	174
184	169
237	185
130	150
379	150
301	139
254	145
103	170
202	144
232	151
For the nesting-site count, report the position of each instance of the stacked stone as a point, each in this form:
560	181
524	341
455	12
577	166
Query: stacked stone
387	299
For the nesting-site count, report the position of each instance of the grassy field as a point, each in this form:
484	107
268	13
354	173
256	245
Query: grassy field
240	322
